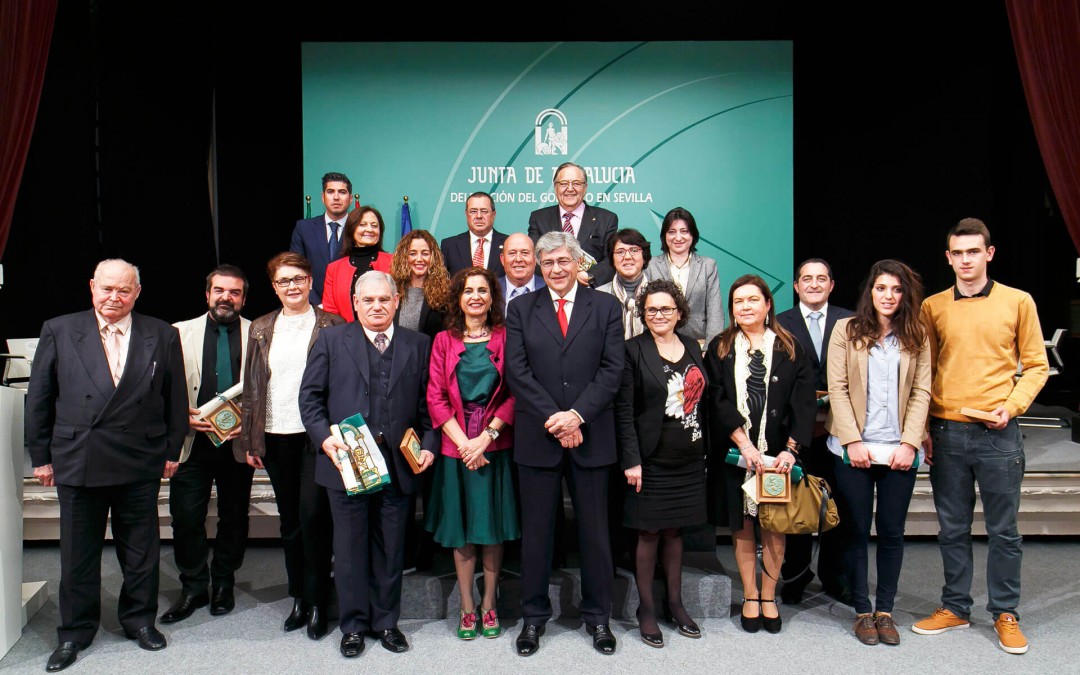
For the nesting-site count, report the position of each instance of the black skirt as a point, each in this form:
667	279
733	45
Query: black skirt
670	497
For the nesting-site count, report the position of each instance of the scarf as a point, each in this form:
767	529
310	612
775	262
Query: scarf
631	323
741	349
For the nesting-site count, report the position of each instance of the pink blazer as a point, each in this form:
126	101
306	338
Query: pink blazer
444	396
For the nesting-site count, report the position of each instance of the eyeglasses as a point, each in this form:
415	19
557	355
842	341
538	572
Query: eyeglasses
561	262
478	212
662	311
576	184
299	280
627	252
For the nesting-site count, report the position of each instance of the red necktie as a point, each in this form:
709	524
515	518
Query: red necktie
566	226
478	255
561	314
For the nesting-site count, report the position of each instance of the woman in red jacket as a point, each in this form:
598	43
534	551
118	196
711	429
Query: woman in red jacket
361	250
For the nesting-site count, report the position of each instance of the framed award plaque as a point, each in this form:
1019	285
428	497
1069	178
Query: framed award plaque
410	447
224	419
773	487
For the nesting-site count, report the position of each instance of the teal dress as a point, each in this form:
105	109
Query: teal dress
474	507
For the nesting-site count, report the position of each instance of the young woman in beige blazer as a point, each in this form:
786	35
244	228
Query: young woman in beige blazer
879	388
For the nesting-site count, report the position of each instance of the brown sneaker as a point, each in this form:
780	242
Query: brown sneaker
886	628
939	622
1009	636
865	629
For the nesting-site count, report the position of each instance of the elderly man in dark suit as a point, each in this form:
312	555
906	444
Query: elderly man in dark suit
105	409
319	239
591	226
811	321
565	353
481	245
379	370
519	263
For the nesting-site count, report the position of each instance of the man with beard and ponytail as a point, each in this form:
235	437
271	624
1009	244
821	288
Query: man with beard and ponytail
214	346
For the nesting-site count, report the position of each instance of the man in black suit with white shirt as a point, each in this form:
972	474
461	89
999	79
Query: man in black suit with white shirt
481	245
811	321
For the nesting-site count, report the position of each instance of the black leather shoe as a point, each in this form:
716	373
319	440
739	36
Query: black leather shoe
652	639
316	628
185	606
352	645
149	638
750	624
393	640
222	601
602	639
64	655
771	624
688	629
528	641
298	617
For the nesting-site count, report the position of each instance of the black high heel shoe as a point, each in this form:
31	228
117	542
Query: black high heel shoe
772	625
652	639
689	629
751	624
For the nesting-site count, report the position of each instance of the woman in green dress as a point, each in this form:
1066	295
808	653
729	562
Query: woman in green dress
472	500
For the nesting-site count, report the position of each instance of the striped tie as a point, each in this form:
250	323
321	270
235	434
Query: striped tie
478	254
566	226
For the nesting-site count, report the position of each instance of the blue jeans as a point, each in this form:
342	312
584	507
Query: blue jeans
966	454
894	490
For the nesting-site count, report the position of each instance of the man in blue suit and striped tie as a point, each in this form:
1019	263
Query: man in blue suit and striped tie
319	239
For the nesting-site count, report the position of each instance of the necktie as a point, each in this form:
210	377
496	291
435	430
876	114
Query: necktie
332	244
561	314
380	342
224	363
112	351
478	255
566	226
517	291
815	332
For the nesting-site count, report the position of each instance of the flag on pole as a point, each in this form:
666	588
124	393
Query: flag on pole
406	218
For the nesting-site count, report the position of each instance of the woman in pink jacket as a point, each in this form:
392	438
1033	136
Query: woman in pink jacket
472	499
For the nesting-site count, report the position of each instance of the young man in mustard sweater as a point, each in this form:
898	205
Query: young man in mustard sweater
979	330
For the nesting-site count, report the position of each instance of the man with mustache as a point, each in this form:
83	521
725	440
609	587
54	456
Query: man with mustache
214	346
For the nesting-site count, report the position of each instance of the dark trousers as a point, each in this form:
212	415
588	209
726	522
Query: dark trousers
540	492
833	545
189	497
966	454
894	490
369	551
84	512
303	514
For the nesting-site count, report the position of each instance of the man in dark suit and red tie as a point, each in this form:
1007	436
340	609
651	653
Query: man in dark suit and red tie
811	321
380	370
319	239
593	227
565	353
106	407
481	245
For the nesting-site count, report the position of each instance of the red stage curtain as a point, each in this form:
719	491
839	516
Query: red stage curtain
1046	35
25	32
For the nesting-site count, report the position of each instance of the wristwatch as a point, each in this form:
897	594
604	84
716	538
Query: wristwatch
492	431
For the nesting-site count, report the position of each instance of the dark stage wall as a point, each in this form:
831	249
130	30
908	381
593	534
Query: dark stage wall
902	127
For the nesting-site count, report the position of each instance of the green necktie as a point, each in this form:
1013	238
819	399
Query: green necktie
224	363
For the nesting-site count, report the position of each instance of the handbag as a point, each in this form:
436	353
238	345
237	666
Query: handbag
811	509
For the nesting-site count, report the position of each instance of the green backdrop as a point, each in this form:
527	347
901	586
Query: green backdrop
702	125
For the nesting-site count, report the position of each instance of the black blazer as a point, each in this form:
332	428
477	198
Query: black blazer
549	373
93	433
431	320
791	403
640	403
792	320
598	227
335	386
457	255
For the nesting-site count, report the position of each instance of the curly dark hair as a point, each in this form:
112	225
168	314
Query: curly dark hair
437	284
906	321
672	289
455	317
